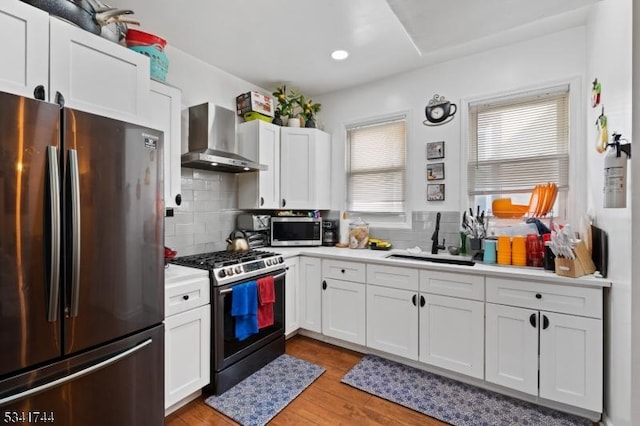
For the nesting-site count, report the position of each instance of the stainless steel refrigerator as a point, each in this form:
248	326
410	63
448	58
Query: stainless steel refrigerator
81	268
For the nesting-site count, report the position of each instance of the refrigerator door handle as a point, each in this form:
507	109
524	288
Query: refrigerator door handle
54	190
75	226
75	375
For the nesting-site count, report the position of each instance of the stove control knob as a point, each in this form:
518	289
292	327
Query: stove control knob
268	262
238	269
229	271
280	260
222	273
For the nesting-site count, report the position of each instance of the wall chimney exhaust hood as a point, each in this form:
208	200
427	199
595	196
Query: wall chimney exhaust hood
212	141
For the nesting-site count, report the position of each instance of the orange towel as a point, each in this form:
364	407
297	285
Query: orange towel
266	299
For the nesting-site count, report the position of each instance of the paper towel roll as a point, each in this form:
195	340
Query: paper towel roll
344	228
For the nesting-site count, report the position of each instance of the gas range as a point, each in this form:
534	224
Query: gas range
229	267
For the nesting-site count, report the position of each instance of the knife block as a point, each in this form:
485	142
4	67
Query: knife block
581	265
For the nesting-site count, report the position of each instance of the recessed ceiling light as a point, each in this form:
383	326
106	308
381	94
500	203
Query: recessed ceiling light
339	55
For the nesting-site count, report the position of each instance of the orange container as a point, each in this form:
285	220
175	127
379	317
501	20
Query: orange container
504	250
519	251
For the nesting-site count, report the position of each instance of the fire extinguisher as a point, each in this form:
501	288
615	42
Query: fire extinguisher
615	173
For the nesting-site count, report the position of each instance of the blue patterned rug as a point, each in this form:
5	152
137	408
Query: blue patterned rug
259	397
448	400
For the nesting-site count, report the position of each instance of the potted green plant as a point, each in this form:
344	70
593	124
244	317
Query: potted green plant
288	106
309	110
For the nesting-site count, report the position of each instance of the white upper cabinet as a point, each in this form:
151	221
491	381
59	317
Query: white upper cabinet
299	167
259	141
96	75
305	169
24	41
164	108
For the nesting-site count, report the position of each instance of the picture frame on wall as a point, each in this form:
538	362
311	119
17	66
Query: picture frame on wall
435	192
435	150
435	171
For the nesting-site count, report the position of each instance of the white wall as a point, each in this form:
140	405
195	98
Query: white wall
635	232
210	202
560	56
609	59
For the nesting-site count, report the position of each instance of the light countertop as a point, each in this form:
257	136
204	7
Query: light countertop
498	271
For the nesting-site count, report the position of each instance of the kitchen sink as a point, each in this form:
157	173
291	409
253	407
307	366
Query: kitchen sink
447	260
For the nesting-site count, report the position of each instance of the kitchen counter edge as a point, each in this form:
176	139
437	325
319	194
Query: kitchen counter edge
379	257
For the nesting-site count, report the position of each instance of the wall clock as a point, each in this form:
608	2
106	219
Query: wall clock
439	111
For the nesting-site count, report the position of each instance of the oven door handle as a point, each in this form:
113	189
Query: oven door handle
229	290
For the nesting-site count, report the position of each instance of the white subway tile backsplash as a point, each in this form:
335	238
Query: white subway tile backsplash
207	214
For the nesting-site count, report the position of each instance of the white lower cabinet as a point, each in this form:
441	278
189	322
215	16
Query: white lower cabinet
187	334
392	321
343	310
187	346
452	334
556	356
291	297
310	279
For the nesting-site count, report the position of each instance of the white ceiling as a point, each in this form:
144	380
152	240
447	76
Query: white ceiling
270	42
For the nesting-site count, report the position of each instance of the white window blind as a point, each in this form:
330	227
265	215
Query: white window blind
376	162
519	142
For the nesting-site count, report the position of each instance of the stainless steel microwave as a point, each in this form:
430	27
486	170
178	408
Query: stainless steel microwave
296	231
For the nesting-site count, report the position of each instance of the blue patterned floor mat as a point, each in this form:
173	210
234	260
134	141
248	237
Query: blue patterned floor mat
258	398
448	400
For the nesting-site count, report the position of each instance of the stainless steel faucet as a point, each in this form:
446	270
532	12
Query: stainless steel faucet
434	238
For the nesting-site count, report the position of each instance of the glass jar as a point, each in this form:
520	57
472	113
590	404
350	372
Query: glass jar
358	234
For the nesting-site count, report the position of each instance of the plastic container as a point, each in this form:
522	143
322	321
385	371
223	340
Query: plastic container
358	234
504	250
489	255
159	62
142	38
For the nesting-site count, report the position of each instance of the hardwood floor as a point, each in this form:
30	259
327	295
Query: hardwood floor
326	401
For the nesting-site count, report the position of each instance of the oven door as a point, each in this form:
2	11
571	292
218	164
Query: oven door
227	349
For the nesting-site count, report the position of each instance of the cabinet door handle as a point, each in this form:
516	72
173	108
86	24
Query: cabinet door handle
261	201
39	92
545	322
284	202
185	297
324	285
178	199
538	296
532	320
414	299
422	301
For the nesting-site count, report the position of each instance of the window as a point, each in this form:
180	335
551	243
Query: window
517	143
376	170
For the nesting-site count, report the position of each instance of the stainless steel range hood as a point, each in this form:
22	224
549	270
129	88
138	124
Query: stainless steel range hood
212	141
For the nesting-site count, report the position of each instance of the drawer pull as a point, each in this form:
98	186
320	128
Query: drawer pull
342	270
545	322
532	320
185	297
538	296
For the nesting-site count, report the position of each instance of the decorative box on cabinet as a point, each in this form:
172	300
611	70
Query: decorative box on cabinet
165	109
24	38
344	301
259	141
96	75
546	340
187	334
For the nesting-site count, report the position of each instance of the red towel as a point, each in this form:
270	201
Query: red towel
266	298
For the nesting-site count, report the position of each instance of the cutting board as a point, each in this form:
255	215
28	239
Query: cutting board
599	249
